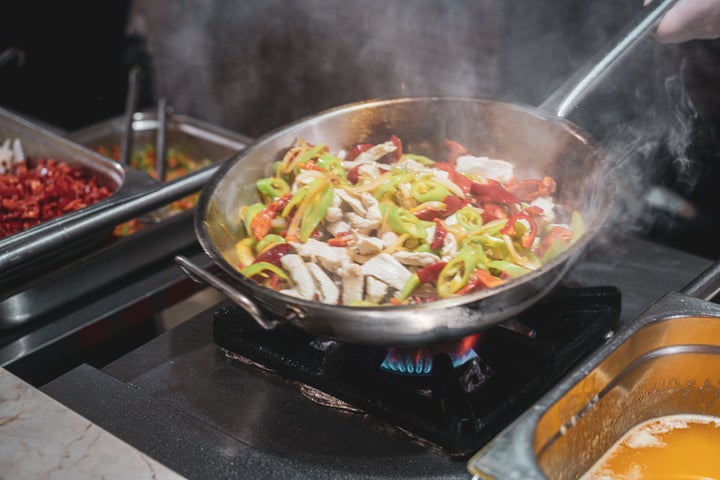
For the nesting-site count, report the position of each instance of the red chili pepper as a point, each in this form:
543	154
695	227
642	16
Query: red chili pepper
529	190
353	174
493	212
311	165
480	279
456	150
274	254
454	176
31	195
440	233
261	223
492	191
357	150
430	273
509	229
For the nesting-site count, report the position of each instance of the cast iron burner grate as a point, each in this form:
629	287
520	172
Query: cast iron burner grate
456	409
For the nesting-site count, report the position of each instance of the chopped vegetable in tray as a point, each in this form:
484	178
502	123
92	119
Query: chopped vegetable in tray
36	190
143	159
376	225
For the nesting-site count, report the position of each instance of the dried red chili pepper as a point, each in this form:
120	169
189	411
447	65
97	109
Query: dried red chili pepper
509	229
492	191
440	233
430	273
357	150
529	190
480	279
261	223
31	195
274	254
454	176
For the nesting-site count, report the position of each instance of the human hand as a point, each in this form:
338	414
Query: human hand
689	20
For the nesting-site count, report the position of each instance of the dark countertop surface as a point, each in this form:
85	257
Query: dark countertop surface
180	400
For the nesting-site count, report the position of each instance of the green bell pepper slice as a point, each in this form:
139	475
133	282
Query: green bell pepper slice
402	221
457	272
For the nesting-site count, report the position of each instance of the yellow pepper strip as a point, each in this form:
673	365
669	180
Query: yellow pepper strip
457	272
244	251
287	163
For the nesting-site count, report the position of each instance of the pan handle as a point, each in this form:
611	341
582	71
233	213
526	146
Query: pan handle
202	276
575	88
706	285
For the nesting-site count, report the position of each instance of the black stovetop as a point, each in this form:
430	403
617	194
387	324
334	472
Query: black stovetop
181	400
453	396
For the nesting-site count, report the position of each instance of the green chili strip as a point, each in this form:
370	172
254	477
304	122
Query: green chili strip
457	272
269	240
316	212
428	191
273	186
261	267
411	284
402	221
511	269
469	218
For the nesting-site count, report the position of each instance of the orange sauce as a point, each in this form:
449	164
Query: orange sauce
675	447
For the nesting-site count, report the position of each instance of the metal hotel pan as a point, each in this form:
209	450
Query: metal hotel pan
193	137
539	141
666	362
19	251
109	263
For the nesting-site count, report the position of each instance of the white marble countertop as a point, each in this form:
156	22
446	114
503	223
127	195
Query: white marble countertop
41	438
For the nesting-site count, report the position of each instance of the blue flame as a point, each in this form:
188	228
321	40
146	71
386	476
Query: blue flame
409	363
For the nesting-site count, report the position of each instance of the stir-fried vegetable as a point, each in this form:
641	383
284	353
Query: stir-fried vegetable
376	225
178	165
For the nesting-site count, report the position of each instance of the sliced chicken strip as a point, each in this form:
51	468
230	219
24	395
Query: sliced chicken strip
375	289
384	267
300	275
352	285
329	292
416	259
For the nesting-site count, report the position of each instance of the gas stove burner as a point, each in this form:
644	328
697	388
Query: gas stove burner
419	360
453	396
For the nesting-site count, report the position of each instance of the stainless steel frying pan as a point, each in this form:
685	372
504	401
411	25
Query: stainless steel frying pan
539	141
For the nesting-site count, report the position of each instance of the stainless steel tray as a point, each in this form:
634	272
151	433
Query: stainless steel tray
665	362
38	297
194	137
23	250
